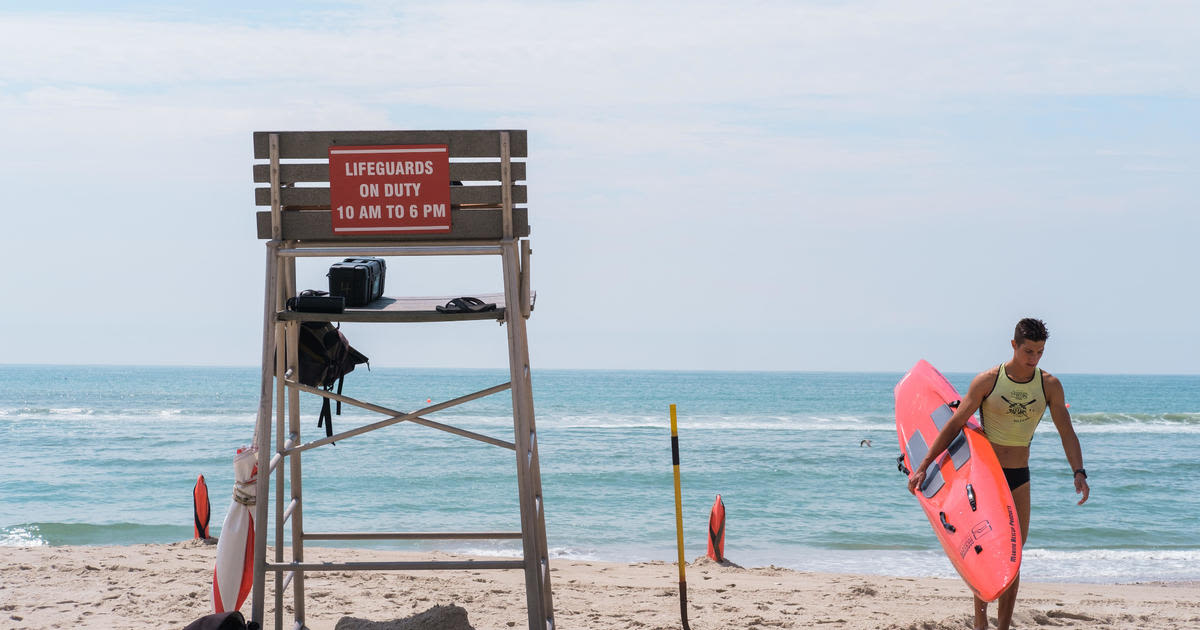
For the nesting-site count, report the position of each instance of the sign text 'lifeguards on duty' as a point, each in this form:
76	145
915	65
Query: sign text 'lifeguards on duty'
390	189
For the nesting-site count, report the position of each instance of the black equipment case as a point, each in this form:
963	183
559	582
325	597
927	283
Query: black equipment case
359	280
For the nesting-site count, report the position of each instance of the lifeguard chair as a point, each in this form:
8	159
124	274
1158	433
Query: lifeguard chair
484	216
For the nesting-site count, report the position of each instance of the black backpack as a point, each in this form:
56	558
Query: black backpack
325	360
232	620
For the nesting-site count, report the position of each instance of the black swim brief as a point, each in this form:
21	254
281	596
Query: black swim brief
1016	477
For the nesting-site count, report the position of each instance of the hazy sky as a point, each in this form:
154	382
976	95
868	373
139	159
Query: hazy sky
751	186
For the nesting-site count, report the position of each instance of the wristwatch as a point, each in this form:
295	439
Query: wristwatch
1080	471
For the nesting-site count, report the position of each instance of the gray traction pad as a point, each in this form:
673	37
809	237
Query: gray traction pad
959	453
917	449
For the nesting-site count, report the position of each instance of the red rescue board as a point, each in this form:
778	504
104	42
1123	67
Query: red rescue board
200	509
965	495
716	531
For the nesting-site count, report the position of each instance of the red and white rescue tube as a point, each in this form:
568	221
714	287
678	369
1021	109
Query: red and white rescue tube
234	574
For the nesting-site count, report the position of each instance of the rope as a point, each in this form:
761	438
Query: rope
244	492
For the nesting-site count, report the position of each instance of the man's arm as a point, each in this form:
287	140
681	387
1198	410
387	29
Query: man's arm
980	386
1056	400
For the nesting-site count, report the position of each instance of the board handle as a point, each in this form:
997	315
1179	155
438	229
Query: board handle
971	496
950	528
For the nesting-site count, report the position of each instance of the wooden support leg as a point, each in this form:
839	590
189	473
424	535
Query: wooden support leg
293	404
533	522
262	436
287	288
280	439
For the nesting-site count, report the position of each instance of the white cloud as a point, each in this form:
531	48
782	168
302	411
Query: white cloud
623	53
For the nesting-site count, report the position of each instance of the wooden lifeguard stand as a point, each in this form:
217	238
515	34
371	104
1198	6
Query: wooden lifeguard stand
486	217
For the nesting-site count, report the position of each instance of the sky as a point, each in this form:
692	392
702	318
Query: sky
816	186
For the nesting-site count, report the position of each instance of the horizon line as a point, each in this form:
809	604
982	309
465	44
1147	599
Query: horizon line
567	369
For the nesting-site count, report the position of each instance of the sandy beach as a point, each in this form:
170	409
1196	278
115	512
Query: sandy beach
167	586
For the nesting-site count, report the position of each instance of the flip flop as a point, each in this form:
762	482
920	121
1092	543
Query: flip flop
466	305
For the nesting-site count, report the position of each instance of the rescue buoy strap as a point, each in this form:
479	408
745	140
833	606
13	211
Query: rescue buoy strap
242	493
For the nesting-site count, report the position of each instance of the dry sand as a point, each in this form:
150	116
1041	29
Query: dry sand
167	586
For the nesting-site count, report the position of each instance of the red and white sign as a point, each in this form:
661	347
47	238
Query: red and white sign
390	189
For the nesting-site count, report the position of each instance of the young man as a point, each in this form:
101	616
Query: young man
1011	399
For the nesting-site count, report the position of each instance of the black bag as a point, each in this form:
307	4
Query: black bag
359	280
313	301
232	620
325	360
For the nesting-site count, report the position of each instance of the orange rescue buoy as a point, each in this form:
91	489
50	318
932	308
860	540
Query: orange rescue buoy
200	508
716	531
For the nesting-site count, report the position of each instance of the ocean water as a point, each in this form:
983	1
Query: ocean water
109	455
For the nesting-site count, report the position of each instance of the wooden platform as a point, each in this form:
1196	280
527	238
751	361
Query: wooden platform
407	309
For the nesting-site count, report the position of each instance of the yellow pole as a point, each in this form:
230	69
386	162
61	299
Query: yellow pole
679	519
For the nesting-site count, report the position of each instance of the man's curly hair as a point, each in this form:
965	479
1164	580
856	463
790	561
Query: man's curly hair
1030	329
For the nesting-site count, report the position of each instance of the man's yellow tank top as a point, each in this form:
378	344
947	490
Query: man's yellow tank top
1013	410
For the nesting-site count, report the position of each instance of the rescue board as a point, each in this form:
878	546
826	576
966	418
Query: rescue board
200	509
964	495
716	531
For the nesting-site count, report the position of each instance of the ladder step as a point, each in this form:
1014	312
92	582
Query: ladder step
287	446
465	565
291	507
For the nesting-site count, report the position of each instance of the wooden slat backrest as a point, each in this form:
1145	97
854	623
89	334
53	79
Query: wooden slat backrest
463	144
475	161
